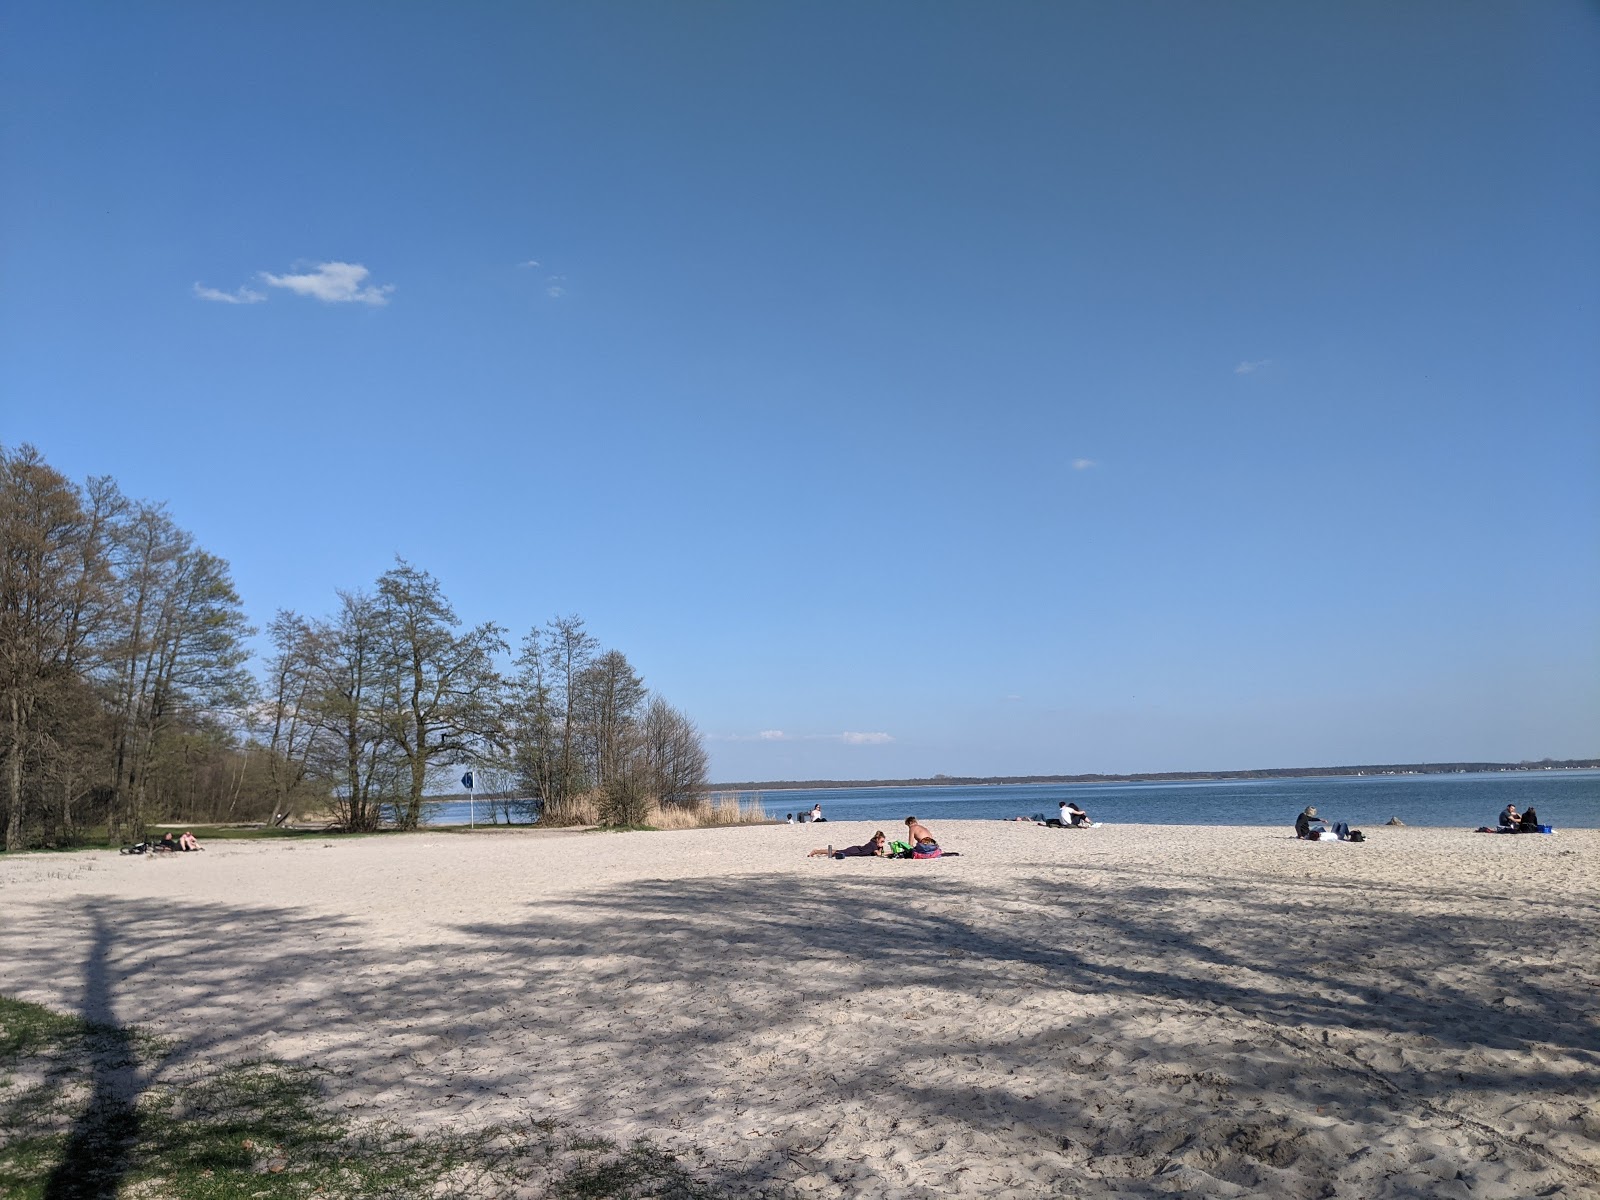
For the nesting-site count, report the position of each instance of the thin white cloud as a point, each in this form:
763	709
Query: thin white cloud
1084	464
556	287
849	738
529	262
1251	366
243	295
333	283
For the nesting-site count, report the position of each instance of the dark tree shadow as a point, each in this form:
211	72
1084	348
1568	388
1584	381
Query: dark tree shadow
104	1140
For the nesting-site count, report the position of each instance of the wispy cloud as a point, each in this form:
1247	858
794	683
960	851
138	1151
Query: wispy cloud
849	738
1251	365
333	283
556	286
1084	464
241	295
529	262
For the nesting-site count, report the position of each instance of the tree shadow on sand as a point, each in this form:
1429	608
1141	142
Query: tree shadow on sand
1017	1012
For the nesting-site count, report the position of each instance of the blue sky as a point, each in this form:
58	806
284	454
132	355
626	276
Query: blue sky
905	388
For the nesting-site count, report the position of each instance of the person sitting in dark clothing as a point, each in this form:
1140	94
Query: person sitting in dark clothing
1529	822
1304	822
1509	819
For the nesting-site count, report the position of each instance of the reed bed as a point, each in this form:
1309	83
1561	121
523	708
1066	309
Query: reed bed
723	808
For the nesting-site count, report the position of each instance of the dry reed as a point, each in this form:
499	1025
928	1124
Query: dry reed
721	809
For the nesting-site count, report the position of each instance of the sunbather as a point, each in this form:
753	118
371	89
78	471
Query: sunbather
877	847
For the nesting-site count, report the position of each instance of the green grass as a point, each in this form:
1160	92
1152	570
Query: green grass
95	1111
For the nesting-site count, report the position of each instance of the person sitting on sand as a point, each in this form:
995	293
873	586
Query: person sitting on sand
920	837
1071	814
878	847
188	841
1529	822
788	819
1509	819
1304	822
816	813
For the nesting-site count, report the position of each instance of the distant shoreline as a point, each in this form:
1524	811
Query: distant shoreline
1460	768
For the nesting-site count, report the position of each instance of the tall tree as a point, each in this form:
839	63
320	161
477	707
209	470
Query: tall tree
610	693
354	708
181	652
441	681
546	695
54	592
294	673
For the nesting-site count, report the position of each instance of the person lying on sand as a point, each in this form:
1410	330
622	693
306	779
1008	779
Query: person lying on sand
168	842
876	848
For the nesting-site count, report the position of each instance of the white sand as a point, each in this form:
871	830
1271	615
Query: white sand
1124	1011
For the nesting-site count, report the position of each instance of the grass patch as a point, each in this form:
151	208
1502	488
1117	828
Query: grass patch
94	1111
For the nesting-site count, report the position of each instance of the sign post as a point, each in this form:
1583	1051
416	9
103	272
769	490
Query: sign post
471	784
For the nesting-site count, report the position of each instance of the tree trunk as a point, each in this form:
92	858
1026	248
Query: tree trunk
14	780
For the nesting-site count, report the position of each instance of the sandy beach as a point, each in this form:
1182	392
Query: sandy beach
1122	1011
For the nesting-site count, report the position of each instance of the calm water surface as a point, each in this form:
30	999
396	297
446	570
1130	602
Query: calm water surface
1562	798
1568	799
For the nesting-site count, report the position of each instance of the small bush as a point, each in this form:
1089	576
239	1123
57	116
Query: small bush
624	801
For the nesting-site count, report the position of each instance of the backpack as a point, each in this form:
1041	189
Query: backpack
1357	836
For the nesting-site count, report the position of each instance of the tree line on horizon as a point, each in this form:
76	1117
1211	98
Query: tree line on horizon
128	695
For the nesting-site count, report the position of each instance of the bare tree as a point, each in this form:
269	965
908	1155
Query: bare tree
443	690
180	654
609	694
543	715
54	592
352	708
672	756
295	673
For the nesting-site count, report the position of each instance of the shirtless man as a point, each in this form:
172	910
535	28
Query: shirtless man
919	835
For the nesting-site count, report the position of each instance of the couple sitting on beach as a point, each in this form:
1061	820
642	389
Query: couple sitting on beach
1311	828
919	843
1510	822
1071	817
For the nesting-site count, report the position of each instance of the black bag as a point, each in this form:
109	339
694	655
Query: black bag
1357	836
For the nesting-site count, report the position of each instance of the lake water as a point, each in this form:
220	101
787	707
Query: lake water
1569	799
